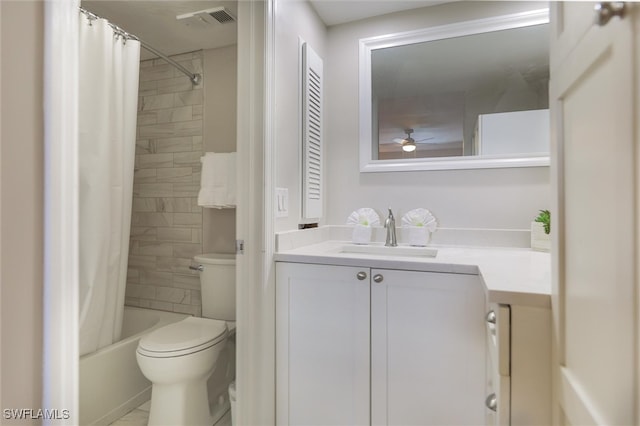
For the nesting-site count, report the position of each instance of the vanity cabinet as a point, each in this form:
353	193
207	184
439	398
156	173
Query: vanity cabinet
363	346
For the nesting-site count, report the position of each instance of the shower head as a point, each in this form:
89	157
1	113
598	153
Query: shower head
215	15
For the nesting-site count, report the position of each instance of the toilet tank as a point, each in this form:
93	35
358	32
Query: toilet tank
218	285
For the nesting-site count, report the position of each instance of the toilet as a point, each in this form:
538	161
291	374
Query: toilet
179	359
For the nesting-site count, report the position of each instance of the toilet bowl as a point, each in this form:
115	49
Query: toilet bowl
179	358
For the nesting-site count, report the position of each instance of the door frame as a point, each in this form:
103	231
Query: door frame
255	269
61	257
255	221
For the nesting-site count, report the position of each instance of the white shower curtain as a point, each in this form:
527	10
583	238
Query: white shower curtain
109	71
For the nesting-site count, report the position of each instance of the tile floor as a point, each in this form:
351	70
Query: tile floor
140	416
136	417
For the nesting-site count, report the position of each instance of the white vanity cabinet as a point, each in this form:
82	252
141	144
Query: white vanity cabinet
358	346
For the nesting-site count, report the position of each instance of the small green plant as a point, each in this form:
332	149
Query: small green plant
545	219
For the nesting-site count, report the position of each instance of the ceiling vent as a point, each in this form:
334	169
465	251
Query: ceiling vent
215	15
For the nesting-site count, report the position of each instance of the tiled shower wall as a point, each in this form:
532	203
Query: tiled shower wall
166	223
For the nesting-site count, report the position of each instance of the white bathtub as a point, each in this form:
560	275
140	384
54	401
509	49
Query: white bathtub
111	383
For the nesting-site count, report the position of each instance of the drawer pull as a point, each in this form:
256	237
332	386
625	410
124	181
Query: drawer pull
491	402
491	317
378	278
361	275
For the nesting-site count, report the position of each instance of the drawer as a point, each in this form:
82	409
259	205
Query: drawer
498	401
498	324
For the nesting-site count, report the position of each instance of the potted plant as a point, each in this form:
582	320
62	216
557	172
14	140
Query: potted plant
540	231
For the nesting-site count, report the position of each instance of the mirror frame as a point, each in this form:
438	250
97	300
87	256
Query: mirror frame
479	26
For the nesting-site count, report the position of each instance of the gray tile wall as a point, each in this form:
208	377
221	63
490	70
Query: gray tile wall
166	223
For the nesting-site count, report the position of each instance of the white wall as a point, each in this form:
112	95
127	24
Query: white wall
498	198
294	18
220	105
22	201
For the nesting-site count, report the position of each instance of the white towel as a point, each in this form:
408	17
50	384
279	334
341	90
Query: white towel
361	234
418	235
218	180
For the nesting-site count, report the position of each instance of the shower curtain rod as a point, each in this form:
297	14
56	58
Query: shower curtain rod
195	78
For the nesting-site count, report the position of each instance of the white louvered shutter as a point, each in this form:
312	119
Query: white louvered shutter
312	133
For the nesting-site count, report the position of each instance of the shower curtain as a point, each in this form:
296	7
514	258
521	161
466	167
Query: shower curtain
109	69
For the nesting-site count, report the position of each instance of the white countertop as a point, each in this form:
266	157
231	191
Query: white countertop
513	276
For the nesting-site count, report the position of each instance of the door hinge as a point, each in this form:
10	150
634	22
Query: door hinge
239	246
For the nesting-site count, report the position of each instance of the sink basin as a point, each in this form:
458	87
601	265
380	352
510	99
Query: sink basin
389	251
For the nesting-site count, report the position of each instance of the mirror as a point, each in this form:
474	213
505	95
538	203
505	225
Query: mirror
467	95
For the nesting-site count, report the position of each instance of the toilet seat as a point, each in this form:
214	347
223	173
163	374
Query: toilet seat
183	338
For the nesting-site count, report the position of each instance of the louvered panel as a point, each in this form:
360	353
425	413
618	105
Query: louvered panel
312	134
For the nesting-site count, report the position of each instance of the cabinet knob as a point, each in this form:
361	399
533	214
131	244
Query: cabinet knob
491	317
378	278
362	276
491	402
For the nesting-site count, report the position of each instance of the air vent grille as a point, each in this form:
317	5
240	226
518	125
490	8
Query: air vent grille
222	16
203	18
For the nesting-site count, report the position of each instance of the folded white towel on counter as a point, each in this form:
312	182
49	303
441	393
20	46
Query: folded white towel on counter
419	224
364	216
420	217
418	235
361	234
363	219
218	180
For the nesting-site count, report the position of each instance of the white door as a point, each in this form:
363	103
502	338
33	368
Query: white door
593	94
322	345
427	349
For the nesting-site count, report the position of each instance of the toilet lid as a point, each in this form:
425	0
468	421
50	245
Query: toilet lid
183	337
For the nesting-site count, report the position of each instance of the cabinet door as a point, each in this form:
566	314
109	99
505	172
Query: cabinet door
322	345
427	349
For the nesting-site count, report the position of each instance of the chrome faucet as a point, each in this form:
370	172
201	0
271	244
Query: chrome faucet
390	224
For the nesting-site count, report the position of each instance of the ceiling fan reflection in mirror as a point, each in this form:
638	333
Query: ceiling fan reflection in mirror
408	143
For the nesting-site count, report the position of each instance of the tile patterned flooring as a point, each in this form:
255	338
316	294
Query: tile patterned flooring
137	417
140	416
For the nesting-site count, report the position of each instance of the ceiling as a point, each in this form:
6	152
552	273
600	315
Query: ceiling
333	12
155	21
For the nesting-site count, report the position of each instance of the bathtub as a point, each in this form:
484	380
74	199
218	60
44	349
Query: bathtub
111	383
